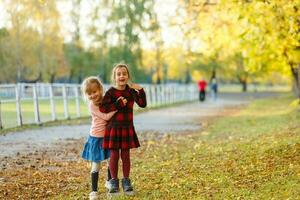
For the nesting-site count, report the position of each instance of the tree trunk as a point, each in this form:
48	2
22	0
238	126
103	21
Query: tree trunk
158	64
158	80
243	81
103	73
71	76
79	78
298	84
187	76
296	76
52	77
244	84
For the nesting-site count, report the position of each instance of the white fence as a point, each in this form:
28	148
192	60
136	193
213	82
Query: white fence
37	103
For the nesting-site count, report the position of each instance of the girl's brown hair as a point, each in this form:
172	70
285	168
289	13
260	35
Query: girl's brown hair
117	66
88	84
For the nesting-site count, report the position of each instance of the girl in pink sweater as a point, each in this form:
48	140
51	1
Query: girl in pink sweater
92	90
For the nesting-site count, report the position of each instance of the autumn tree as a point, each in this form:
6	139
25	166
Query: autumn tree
7	69
120	39
253	37
34	39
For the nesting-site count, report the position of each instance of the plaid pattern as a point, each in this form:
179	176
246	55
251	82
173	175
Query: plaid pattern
120	132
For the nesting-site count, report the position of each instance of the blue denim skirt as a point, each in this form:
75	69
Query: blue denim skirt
93	150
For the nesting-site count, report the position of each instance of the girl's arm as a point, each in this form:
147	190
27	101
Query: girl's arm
104	116
95	112
139	95
109	105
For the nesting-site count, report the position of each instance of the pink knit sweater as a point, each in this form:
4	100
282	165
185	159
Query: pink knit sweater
99	120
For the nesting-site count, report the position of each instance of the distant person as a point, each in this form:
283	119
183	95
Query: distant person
202	89
92	90
213	88
120	135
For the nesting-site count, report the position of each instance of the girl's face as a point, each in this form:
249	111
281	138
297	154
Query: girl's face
121	76
94	94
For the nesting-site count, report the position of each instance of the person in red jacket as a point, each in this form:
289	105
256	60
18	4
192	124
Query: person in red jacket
120	135
201	87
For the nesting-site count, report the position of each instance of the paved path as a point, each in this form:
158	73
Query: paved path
185	117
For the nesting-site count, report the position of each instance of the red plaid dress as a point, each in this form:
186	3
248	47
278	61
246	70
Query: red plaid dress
119	132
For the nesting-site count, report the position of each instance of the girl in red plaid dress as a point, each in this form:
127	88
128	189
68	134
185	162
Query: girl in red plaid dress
120	135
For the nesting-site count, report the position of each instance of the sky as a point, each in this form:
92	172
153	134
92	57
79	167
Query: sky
163	8
3	16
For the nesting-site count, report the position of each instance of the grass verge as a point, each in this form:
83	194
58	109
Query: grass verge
249	154
252	154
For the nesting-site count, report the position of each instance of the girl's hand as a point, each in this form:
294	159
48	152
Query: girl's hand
123	100
135	86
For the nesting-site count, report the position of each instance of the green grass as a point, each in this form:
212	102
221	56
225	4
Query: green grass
9	113
260	117
253	154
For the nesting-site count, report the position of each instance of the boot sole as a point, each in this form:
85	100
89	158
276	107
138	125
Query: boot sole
129	193
111	195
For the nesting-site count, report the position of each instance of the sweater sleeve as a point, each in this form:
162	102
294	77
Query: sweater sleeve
108	104
95	111
140	97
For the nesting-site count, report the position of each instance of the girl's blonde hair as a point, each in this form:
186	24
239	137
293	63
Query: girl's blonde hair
117	66
90	82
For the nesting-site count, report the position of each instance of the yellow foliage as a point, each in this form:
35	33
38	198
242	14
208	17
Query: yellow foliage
196	75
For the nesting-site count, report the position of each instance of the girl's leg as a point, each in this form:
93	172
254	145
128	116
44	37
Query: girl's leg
113	166
107	182
108	172
95	175
113	163
126	183
125	156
